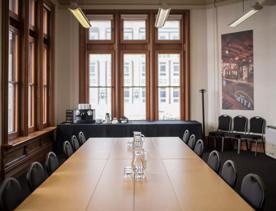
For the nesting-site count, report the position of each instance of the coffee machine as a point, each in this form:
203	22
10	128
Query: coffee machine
84	114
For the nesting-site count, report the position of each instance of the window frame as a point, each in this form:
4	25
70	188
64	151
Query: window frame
21	23
122	40
135	52
181	81
151	47
111	41
174	17
112	75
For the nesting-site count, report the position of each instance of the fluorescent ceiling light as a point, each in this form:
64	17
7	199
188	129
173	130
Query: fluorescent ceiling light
80	16
257	7
162	16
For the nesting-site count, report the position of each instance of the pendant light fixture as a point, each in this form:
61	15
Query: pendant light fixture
79	15
256	8
162	15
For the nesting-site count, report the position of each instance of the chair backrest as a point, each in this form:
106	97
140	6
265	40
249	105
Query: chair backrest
191	142
229	173
186	136
10	194
257	125
240	124
75	143
51	163
67	149
224	122
82	138
35	175
199	147
214	160
252	190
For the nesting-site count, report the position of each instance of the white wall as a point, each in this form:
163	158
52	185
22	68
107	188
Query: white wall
67	63
264	30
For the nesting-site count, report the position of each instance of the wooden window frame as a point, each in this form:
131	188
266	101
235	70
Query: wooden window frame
134	52
21	23
110	52
151	46
181	82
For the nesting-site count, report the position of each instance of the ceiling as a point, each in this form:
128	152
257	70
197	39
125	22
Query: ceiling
141	2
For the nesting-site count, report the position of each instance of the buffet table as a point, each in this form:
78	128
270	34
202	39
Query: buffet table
148	128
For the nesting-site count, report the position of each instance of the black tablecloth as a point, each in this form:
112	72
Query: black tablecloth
148	128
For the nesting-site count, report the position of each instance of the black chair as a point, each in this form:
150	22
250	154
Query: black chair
10	194
75	143
199	147
214	160
67	149
224	127
82	138
186	136
51	163
35	175
239	130
229	173
252	190
256	132
192	141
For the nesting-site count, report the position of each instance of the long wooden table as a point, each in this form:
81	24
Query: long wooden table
92	179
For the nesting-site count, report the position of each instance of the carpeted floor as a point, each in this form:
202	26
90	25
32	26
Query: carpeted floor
246	163
262	165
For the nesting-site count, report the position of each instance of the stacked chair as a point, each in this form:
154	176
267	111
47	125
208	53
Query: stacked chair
240	131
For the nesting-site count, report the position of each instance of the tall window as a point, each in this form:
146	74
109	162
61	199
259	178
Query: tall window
27	73
134	86
31	84
13	82
100	86
169	86
130	68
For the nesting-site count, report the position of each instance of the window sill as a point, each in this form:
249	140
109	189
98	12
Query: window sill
24	139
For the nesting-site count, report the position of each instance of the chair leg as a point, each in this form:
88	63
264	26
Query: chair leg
222	144
239	146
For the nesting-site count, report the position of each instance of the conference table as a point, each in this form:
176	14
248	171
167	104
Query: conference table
93	179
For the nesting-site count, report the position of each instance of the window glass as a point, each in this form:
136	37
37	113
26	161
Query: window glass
12	81
100	88
170	31
134	86
134	29
45	21
32	13
169	86
100	30
45	84
31	79
13	6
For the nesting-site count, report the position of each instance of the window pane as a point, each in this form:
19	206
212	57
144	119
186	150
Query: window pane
100	99
169	86
12	81
135	103
30	84
32	13
134	70
170	31
45	84
134	29
168	69
100	69
100	73
45	21
13	6
135	86
100	30
169	103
